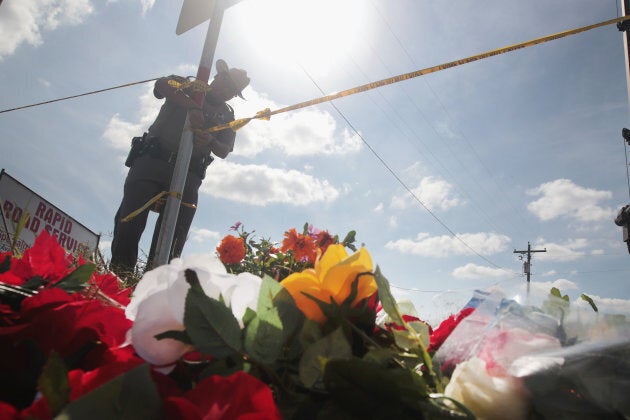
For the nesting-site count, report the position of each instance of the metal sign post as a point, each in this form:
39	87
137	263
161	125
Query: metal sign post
184	153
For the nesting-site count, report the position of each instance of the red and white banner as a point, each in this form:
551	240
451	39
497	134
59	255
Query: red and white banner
17	201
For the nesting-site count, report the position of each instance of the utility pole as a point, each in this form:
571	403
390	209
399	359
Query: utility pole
624	26
193	13
527	265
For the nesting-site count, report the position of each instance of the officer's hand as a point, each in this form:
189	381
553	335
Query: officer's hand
202	138
196	118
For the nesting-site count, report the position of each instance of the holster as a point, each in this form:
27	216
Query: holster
139	146
199	166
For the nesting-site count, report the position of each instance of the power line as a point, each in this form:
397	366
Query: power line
448	114
414	133
79	95
400	181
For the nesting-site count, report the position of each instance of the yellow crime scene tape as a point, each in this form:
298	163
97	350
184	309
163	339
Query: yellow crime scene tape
267	113
156	202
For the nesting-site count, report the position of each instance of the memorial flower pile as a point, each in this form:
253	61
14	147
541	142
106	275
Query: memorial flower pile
305	328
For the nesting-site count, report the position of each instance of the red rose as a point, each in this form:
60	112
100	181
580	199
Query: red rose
237	396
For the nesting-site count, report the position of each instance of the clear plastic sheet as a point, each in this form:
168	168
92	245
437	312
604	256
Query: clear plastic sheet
546	358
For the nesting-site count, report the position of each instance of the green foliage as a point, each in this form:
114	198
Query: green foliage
211	326
77	280
53	383
334	346
264	334
263	257
132	395
590	301
369	390
319	370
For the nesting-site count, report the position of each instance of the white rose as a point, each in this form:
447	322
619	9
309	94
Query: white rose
158	303
488	397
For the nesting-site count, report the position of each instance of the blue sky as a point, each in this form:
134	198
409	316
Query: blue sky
521	147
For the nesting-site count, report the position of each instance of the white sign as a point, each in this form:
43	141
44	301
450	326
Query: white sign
18	200
193	13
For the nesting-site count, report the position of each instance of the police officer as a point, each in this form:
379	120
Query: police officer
152	159
623	220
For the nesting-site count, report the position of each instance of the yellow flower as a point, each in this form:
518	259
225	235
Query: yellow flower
332	278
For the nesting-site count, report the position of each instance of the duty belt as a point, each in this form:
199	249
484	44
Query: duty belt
198	165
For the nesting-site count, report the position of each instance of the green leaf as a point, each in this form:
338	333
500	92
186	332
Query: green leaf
387	300
333	346
210	324
349	240
556	292
132	395
175	335
310	333
77	280
53	383
248	316
263	339
405	339
590	301
34	283
263	335
224	367
291	316
370	390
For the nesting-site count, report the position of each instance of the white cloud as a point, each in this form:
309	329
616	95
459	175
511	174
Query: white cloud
474	271
571	250
379	208
261	185
200	235
444	246
564	198
119	132
45	83
24	21
434	193
302	132
146	6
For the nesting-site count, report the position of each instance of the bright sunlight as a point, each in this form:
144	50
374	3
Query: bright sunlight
315	34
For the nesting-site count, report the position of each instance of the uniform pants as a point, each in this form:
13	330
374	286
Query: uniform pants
148	177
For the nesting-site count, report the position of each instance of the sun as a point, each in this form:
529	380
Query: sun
315	34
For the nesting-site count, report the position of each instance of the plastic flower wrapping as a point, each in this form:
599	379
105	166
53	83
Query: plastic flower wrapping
307	328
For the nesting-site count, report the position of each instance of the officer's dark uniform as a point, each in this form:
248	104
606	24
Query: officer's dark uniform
623	220
151	169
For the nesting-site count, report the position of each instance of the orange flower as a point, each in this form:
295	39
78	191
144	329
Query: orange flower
303	246
231	250
332	278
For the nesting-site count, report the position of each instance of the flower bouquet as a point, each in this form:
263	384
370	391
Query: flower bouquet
302	329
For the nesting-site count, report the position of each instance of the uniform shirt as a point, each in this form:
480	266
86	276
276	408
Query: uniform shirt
169	124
